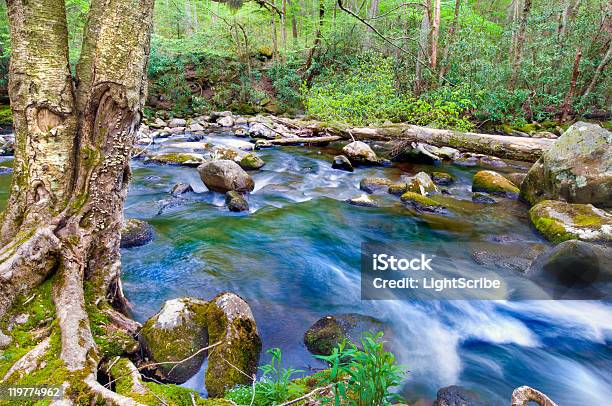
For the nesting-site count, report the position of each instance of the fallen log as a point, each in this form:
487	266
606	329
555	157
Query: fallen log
298	141
501	146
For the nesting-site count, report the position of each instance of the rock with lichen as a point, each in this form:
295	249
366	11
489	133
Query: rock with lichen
493	183
176	158
559	221
236	202
577	168
136	233
327	332
442	178
251	162
421	183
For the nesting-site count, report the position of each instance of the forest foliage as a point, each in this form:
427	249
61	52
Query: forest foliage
444	63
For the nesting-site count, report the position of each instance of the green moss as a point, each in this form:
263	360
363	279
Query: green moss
494	183
420	199
6	114
176	158
251	162
324	336
551	229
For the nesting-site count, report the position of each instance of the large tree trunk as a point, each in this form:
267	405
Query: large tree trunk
71	167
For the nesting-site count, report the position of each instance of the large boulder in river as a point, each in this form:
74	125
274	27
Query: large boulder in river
577	168
136	233
493	183
225	175
574	270
176	333
329	331
360	153
560	221
457	396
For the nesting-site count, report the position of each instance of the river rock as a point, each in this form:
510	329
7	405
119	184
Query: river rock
180	189
225	175
422	203
226	121
177	332
343	163
158	123
236	202
7	146
421	183
177	122
176	158
363	201
216	115
5	340
417	152
360	153
442	178
577	168
573	269
231	322
482	198
397	189
136	233
327	332
560	221
260	130
493	183
516	178
251	162
195	127
456	396
373	185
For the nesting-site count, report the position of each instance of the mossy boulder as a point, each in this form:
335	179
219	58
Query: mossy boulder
360	153
236	202
327	332
231	322
421	183
457	396
493	183
373	185
225	175
177	332
442	178
422	203
574	269
251	162
560	221
176	158
397	189
577	168
136	233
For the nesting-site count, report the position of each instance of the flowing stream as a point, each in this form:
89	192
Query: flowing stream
295	257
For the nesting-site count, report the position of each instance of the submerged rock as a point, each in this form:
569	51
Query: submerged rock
573	270
327	332
422	203
236	201
176	158
493	183
442	178
136	233
373	185
421	183
360	153
225	175
181	189
482	198
577	168
343	163
457	396
560	221
363	200
251	162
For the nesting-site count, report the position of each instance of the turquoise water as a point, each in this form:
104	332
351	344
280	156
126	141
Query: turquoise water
295	258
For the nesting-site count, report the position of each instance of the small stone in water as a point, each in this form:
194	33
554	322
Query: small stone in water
341	162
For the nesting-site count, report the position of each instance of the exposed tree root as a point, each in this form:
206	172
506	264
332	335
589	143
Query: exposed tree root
30	361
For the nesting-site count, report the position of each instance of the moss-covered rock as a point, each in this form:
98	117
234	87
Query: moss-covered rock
577	168
176	158
442	178
136	233
373	185
327	332
422	203
560	221
397	189
177	332
236	202
251	162
421	183
494	183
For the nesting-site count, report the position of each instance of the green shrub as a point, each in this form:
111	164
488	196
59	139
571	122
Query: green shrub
364	376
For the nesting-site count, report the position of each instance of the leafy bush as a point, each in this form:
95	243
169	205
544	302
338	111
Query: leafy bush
364	376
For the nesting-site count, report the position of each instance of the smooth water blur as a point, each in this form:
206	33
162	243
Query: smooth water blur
296	257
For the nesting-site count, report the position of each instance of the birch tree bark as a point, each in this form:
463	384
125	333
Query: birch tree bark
71	169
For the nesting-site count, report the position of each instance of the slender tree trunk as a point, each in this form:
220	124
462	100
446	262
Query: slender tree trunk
274	37
567	105
449	41
435	35
284	29
602	65
514	18
372	12
317	41
71	167
423	50
520	42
